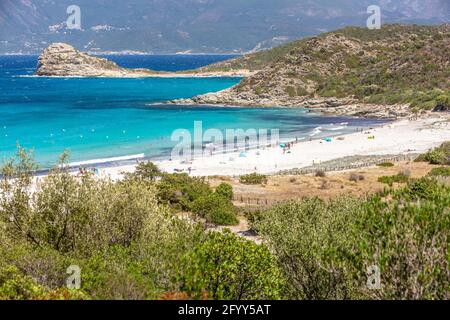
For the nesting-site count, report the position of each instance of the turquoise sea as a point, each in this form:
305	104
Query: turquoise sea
110	118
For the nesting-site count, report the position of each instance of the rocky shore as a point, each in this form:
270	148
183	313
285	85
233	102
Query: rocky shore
332	106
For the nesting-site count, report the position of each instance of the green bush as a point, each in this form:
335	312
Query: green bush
440	155
385	165
311	240
407	238
127	245
253	178
442	172
16	286
225	190
181	190
390	180
325	249
44	265
227	267
215	209
253	217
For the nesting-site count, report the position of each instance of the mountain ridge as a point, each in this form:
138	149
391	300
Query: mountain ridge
207	26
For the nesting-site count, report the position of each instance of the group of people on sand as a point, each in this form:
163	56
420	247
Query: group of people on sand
288	146
85	170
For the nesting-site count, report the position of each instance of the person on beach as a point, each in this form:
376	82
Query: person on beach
190	170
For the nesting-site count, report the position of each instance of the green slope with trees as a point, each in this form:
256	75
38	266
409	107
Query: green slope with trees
397	64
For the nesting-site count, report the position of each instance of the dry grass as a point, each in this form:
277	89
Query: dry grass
284	188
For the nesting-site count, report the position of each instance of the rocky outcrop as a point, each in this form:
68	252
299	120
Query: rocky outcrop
332	106
63	60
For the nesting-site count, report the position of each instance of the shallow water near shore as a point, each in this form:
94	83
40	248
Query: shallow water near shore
110	120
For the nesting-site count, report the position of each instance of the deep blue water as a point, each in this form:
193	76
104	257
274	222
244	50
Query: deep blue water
103	118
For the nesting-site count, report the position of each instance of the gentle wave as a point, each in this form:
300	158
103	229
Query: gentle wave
316	131
107	160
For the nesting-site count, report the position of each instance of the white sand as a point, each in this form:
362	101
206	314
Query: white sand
402	137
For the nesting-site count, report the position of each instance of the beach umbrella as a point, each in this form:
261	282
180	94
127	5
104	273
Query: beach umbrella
243	155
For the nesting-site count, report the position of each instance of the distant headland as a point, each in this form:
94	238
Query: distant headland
63	60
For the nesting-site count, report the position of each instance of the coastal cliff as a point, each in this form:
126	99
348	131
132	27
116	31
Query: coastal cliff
63	60
393	72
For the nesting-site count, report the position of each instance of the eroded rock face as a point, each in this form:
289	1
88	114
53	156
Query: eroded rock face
63	60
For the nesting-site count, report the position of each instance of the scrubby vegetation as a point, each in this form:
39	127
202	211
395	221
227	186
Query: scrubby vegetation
227	267
398	64
225	190
181	192
320	174
253	178
401	177
129	242
385	165
123	235
440	155
216	209
440	172
325	249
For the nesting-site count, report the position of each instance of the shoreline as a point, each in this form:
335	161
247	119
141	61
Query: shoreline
151	74
318	133
401	137
327	106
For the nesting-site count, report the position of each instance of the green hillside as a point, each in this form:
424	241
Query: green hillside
396	64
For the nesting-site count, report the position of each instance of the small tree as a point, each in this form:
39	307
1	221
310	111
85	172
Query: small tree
225	190
231	268
310	239
216	209
146	171
15	198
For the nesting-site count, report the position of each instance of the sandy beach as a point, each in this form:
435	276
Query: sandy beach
400	137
